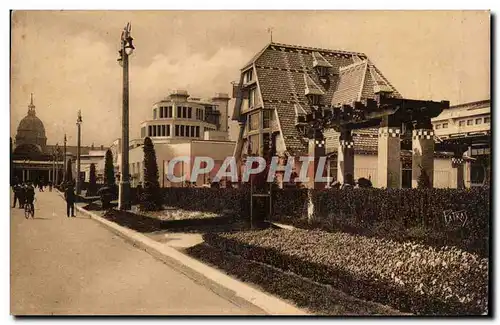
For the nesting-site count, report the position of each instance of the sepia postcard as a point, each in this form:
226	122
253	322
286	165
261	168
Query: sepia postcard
303	163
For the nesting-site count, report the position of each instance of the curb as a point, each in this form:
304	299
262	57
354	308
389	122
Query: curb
220	283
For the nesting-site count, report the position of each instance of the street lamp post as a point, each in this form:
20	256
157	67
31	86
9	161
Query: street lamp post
78	182
126	50
64	161
58	155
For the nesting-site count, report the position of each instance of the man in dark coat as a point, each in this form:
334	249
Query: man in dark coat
69	196
15	189
22	195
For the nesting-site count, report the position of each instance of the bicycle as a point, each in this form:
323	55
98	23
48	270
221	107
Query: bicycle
29	209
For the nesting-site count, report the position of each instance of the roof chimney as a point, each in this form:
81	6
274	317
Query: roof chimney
102	147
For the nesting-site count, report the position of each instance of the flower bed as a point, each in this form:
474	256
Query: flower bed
317	298
410	277
147	224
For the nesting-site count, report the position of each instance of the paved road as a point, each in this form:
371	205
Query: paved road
63	266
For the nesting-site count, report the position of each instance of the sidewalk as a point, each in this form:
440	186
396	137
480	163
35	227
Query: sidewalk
74	266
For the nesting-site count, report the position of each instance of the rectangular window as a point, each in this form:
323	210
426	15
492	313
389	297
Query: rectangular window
461	123
438	126
253	122
251	98
176	130
268	116
182	130
187	130
154	114
486	120
253	144
169	111
154	130
190	112
445	125
479	120
193	132
143	132
161	111
168	130
150	131
469	122
179	111
314	99
197	131
248	76
163	132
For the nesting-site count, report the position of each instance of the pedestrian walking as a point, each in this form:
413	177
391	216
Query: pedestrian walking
69	196
15	189
50	186
22	195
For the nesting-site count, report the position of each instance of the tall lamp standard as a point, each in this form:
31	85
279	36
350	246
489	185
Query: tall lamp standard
64	158
58	156
126	49
78	123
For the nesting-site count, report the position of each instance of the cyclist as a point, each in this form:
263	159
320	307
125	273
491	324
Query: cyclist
30	198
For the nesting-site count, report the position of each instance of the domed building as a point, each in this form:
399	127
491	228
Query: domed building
34	160
30	137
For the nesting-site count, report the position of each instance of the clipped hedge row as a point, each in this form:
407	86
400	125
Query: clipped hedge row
410	277
208	199
399	214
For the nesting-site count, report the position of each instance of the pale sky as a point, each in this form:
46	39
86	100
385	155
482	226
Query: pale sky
68	58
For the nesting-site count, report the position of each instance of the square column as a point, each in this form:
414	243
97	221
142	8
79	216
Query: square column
345	160
389	157
316	150
457	172
422	155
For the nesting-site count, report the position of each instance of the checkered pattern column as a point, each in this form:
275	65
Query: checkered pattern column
389	157
316	149
458	172
423	154
345	160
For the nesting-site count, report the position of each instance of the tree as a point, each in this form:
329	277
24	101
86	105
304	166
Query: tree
69	172
364	183
423	180
92	181
151	196
109	169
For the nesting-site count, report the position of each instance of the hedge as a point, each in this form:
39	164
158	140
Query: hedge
398	214
410	277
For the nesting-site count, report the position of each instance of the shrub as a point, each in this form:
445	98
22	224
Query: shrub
109	169
150	197
92	186
364	182
411	277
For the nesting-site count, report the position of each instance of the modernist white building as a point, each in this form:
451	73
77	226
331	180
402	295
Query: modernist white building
181	125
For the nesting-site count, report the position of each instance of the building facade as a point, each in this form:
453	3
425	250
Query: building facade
282	84
35	160
181	126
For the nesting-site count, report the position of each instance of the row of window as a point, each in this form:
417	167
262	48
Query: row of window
165	131
468	122
478	120
181	112
187	131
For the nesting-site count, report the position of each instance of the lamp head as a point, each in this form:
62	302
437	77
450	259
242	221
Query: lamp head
129	46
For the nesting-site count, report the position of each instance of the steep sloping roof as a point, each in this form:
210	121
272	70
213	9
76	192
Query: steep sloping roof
286	73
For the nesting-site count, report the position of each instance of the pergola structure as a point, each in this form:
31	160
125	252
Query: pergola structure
393	117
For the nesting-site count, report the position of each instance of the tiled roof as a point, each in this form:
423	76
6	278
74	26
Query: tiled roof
286	72
319	61
310	86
